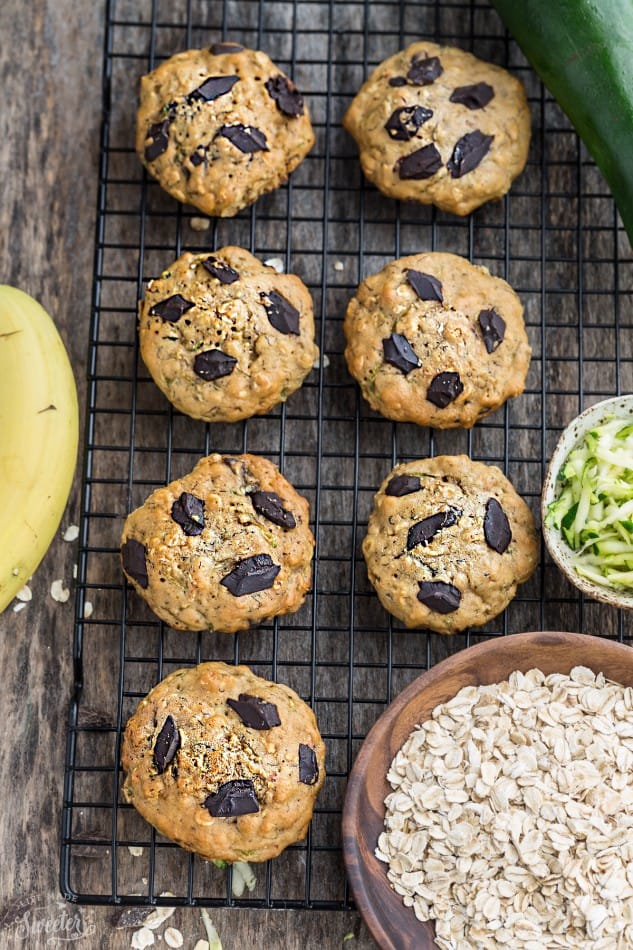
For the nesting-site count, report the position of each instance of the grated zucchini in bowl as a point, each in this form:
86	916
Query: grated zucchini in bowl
593	509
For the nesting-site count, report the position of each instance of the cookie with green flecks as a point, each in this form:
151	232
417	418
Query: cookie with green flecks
224	763
447	543
224	336
218	127
224	548
436	125
436	340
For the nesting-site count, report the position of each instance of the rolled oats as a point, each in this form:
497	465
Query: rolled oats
510	823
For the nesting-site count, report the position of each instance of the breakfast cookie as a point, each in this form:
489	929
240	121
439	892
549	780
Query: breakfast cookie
224	548
435	340
447	543
435	124
219	127
224	763
225	337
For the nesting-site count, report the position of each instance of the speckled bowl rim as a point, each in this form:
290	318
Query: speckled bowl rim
621	407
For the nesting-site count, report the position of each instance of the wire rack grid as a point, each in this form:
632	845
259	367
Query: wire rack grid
556	238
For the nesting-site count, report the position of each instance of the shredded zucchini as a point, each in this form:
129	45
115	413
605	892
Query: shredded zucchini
594	508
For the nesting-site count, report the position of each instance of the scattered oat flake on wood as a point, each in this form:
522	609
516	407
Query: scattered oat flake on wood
59	593
25	594
142	938
18	607
173	937
276	263
158	917
135	850
339	265
199	224
71	533
88	609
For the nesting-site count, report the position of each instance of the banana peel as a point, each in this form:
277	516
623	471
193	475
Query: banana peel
39	429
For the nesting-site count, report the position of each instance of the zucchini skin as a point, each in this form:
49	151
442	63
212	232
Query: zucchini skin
583	52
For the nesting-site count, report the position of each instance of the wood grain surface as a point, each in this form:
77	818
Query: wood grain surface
50	69
393	925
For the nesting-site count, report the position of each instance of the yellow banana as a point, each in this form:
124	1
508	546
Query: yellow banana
38	436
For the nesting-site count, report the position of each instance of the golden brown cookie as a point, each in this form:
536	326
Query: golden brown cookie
224	763
435	124
447	543
225	337
219	127
432	339
224	548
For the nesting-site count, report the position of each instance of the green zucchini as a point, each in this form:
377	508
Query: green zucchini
583	52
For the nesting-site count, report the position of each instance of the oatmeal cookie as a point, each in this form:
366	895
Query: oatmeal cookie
219	127
447	543
435	124
224	337
435	340
224	763
224	548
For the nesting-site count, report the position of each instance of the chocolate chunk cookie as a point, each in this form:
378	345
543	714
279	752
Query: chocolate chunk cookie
435	124
226	547
447	543
225	337
224	763
432	339
219	127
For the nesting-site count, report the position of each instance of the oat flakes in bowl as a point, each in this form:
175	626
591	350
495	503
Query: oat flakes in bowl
519	798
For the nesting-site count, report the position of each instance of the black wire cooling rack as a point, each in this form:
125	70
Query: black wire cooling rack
555	238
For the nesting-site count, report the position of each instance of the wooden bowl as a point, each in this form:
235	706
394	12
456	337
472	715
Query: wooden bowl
394	926
621	407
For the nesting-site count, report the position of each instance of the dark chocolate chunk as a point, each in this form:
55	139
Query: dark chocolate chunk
270	505
424	531
188	512
281	314
217	268
233	799
245	138
404	123
251	575
308	765
401	485
423	163
198	157
213	364
255	712
171	309
134	563
397	81
426	286
473	97
424	71
399	352
218	48
496	527
438	596
468	153
289	100
166	745
493	328
444	388
212	88
159	133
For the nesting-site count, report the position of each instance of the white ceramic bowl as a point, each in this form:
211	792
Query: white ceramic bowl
621	407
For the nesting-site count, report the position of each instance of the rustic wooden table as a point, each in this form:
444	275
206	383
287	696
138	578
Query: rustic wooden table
50	63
